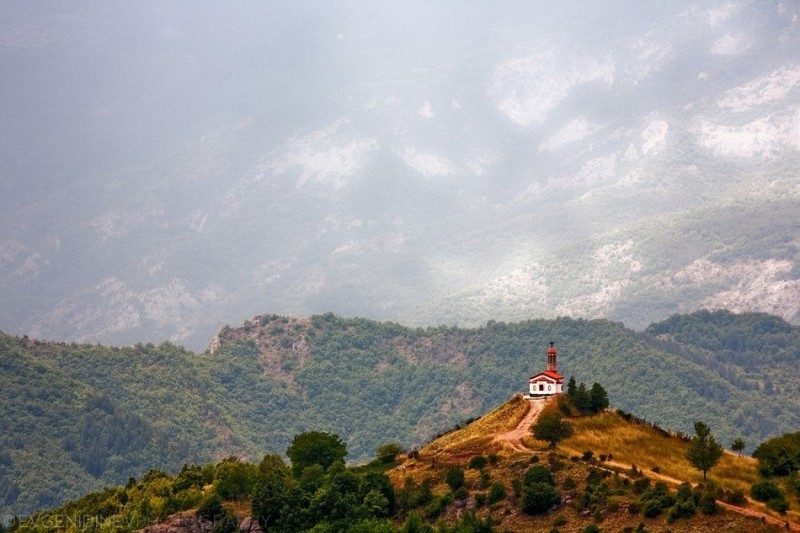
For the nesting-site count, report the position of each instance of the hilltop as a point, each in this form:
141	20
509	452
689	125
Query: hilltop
473	478
605	448
90	416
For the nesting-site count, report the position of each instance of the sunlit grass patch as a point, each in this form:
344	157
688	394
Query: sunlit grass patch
504	418
652	452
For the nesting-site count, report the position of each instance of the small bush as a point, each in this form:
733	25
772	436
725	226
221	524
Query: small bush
651	509
685	492
454	477
587	456
211	507
682	509
478	462
538	474
641	485
538	498
592	528
438	505
560	520
657	499
497	492
765	491
634	508
480	499
386	453
734	497
779	504
494	458
534	459
516	484
594	477
708	504
461	494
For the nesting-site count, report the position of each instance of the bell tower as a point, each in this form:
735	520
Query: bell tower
551	358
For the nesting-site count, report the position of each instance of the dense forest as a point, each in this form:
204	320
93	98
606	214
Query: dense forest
87	416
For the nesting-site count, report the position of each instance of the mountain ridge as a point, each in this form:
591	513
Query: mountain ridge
371	381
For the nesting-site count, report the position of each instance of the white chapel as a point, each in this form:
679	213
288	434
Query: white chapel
550	381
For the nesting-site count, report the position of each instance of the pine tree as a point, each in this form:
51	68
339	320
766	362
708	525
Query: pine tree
582	399
704	452
599	397
738	445
571	387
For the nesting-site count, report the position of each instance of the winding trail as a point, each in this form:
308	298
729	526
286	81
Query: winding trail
765	518
514	438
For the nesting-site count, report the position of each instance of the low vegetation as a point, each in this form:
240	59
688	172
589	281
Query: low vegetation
466	481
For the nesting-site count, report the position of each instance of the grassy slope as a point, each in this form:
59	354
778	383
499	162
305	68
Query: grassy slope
630	443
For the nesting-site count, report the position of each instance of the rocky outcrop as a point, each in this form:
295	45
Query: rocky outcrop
189	522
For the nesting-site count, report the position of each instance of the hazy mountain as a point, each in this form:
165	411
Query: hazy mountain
166	168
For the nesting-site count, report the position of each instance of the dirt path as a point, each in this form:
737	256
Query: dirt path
513	438
765	518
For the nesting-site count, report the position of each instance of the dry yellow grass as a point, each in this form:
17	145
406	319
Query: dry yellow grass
608	433
603	434
504	418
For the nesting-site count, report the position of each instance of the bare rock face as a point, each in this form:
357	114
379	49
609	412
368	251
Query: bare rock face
189	522
181	523
250	525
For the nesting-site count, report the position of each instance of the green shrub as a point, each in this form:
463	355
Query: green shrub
685	492
734	497
538	498
211	507
708	504
386	453
779	504
454	477
682	509
656	500
438	505
480	499
765	490
538	474
651	509
478	462
497	492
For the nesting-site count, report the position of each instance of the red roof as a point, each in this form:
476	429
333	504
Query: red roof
549	374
